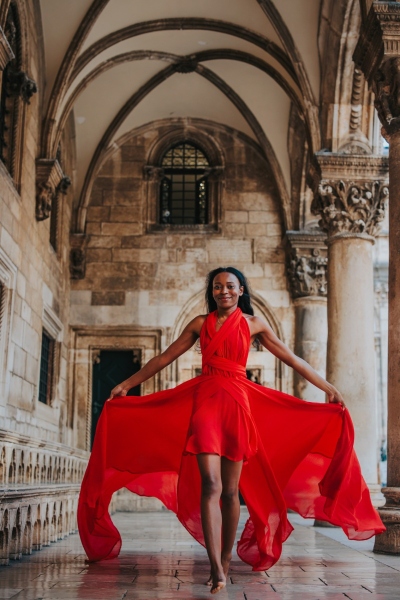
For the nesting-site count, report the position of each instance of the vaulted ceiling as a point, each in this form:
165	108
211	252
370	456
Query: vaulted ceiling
121	64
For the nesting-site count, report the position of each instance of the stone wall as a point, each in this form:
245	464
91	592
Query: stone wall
140	275
39	468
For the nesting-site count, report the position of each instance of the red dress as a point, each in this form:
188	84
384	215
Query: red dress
297	454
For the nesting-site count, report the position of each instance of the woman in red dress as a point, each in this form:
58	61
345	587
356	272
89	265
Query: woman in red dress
280	451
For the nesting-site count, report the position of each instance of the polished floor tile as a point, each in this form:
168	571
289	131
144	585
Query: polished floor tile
160	561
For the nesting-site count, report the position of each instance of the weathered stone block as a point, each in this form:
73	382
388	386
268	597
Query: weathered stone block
234	230
256	230
98	255
122	214
236	216
98	213
104	241
121	228
135	255
93	228
264	216
108	298
231	251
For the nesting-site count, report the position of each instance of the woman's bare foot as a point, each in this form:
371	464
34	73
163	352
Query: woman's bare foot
226	561
218	584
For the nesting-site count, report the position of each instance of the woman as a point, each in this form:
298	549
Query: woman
296	454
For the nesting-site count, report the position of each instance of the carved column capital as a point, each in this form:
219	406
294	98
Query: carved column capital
377	54
307	263
350	193
6	53
48	176
350	207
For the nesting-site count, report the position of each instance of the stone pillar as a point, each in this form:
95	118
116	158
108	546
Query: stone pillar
378	56
307	263
350	200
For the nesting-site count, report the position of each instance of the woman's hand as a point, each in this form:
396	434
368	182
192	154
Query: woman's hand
335	397
119	390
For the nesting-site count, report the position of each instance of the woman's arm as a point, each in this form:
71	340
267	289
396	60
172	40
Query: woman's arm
271	341
184	342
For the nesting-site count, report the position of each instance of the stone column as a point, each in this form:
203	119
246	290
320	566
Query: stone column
350	200
378	56
307	263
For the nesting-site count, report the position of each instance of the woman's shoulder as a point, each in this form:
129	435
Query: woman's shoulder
257	323
197	323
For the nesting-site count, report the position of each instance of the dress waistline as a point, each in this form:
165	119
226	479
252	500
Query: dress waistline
224	364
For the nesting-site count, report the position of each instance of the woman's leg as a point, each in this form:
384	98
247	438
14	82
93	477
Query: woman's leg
211	518
230	475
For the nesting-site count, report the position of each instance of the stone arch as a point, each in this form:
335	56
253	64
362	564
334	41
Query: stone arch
15	541
4	540
37	531
263	141
60	523
17	90
3	466
12	469
27	535
21	468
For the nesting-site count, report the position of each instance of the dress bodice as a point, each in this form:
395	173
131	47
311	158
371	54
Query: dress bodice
225	351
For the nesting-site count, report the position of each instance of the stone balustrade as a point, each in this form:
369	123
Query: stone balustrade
39	486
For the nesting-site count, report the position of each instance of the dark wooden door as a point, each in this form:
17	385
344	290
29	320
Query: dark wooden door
110	368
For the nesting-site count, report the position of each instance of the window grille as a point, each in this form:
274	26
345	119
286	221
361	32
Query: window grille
46	368
184	187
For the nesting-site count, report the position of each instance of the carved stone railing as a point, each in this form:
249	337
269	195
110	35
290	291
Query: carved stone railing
39	486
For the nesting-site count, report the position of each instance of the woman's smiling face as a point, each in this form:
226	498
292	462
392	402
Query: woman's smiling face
226	290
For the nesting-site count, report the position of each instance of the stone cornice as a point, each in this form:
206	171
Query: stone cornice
12	437
355	167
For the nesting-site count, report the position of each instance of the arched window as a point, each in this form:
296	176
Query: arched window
184	186
8	109
16	91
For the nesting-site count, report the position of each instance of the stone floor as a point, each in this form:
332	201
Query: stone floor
160	560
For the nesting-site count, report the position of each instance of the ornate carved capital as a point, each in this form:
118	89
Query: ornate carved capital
307	263
351	207
48	176
377	54
77	255
350	193
6	53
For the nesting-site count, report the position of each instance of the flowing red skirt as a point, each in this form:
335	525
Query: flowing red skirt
297	454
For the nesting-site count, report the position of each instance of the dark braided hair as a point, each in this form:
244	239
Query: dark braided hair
244	299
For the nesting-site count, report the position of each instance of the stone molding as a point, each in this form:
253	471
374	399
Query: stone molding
6	53
48	176
377	54
350	193
307	263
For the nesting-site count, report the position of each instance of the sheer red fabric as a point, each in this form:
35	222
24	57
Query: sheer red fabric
297	454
